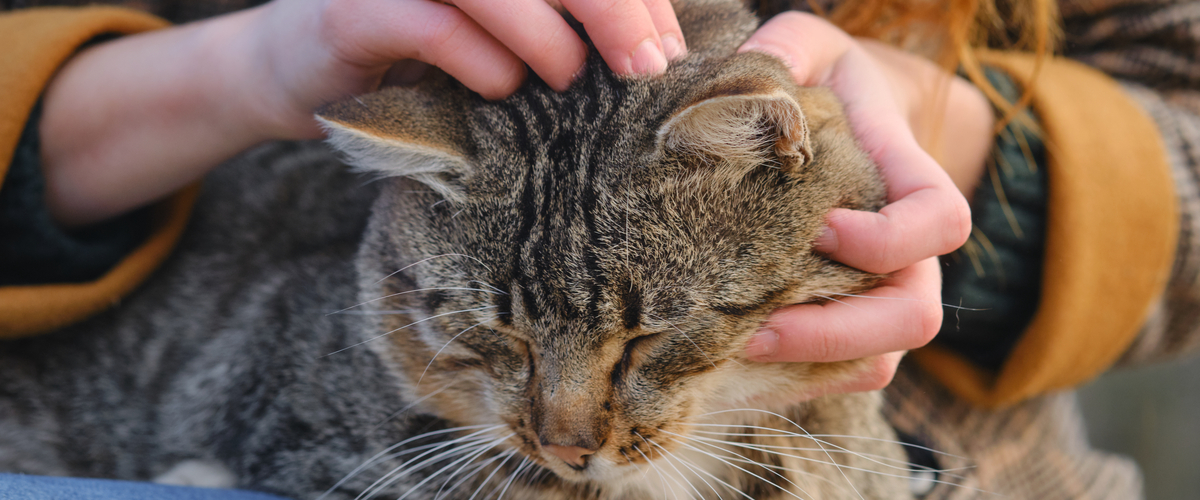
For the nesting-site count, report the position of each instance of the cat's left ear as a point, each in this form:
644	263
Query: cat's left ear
402	132
741	124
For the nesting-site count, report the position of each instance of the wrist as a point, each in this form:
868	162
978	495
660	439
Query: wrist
129	121
238	98
964	135
950	118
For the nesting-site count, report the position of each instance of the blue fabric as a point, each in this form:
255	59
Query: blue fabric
21	487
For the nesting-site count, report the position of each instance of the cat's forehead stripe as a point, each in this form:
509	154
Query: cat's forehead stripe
558	192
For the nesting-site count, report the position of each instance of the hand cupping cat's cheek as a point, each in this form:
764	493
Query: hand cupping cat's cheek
927	216
904	312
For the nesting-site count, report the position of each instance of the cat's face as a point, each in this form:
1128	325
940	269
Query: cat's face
584	269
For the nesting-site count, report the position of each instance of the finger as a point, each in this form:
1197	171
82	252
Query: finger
877	374
380	33
904	312
667	25
624	32
928	216
536	33
931	221
808	45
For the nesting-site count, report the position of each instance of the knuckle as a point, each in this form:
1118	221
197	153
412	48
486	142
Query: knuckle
929	322
884	258
336	20
881	376
828	347
961	225
613	9
793	17
445	27
503	84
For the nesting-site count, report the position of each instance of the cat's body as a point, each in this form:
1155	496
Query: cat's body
572	280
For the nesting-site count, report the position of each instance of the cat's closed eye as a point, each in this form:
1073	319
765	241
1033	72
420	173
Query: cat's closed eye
637	351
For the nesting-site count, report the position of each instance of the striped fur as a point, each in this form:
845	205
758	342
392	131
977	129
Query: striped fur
578	270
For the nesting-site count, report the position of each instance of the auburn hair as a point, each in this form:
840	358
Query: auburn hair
949	31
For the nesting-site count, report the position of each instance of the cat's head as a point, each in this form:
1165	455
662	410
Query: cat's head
586	268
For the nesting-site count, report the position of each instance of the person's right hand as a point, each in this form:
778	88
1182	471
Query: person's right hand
313	52
129	121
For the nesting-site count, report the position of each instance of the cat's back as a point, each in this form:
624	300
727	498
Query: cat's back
268	253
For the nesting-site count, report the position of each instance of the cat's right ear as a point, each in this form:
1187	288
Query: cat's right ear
401	132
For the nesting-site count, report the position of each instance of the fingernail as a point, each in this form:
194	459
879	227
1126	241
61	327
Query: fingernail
673	47
763	344
768	50
648	59
827	242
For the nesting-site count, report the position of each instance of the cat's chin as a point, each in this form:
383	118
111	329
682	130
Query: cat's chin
648	479
626	480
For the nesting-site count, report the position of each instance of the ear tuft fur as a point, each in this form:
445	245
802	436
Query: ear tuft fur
400	132
740	132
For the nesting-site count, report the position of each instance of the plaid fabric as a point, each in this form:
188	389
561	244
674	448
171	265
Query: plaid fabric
1153	48
1035	450
1038	449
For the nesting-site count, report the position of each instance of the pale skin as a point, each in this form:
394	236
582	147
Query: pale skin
130	121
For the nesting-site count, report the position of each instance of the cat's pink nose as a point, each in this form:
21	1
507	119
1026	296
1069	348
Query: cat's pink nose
573	455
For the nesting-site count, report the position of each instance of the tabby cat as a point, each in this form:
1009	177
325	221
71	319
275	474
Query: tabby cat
545	297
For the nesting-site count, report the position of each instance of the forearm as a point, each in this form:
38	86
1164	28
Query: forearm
115	140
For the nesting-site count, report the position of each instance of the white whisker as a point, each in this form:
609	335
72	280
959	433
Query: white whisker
858	469
464	460
813	437
371	461
493	473
827	455
661	478
744	459
726	462
377	337
484	283
943	304
511	477
869	456
408	466
381	312
447	344
412	404
714	478
681	474
456	444
702	353
427	259
476	468
460	288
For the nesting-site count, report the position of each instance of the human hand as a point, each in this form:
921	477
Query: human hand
316	52
186	98
886	95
